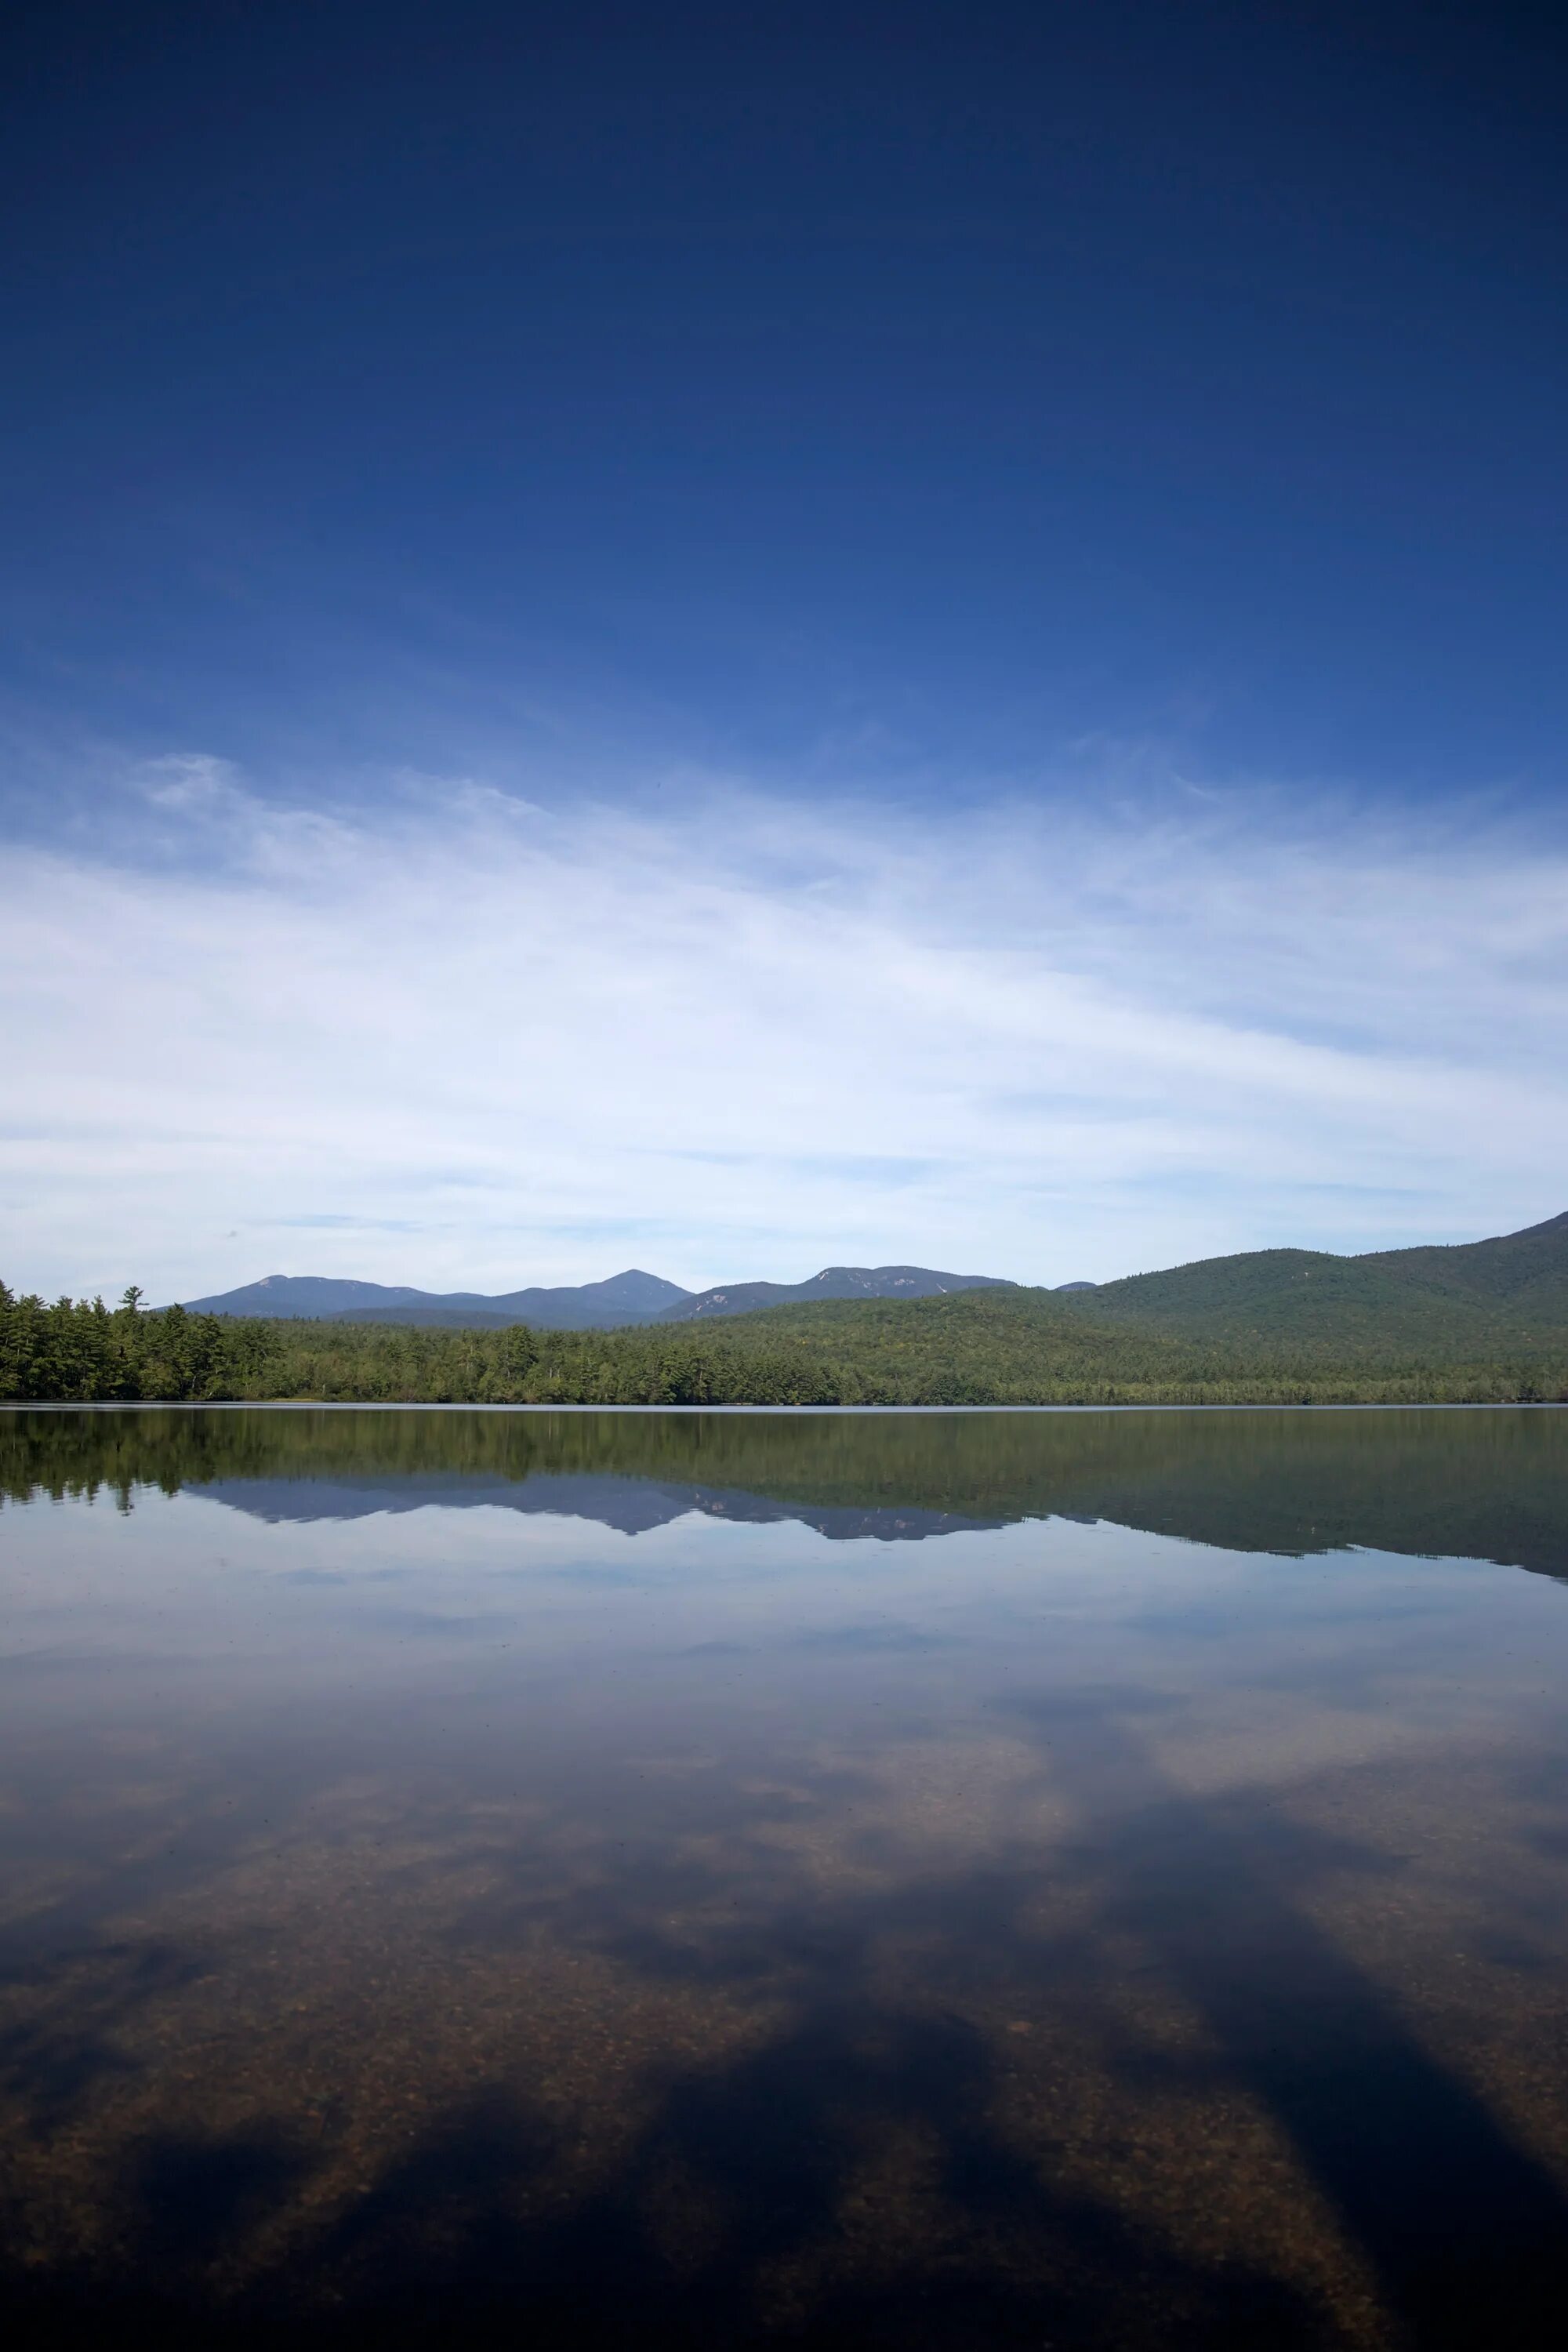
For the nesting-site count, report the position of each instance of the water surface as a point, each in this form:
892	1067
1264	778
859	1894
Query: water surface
928	1879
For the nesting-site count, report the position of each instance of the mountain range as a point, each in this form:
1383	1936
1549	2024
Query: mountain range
1471	1295
630	1297
625	1298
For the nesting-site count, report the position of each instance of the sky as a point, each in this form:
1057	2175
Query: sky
734	639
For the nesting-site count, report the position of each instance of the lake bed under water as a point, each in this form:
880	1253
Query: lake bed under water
917	1879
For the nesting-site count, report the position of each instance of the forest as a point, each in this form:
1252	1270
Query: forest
970	1348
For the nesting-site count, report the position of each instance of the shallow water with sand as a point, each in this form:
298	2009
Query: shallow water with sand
825	1879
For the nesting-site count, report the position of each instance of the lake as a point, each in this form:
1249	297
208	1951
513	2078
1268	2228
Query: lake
929	1879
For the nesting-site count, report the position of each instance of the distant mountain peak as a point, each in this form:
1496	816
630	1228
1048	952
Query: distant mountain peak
832	1282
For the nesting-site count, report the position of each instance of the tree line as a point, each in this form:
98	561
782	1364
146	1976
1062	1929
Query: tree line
968	1348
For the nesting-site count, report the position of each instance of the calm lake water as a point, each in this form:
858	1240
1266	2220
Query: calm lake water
826	1879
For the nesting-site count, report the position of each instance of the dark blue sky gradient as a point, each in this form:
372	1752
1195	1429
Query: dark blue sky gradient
846	394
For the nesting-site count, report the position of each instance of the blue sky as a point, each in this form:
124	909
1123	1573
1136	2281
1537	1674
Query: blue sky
916	547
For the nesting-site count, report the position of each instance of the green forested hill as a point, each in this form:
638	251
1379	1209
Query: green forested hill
1472	1298
1016	1347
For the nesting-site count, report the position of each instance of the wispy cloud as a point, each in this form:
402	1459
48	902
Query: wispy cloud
761	1033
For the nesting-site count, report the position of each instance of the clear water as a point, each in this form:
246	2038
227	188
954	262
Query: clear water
805	1879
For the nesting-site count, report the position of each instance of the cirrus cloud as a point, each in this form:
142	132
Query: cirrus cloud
464	1040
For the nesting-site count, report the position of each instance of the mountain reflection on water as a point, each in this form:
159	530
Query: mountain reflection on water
1487	1484
805	1879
